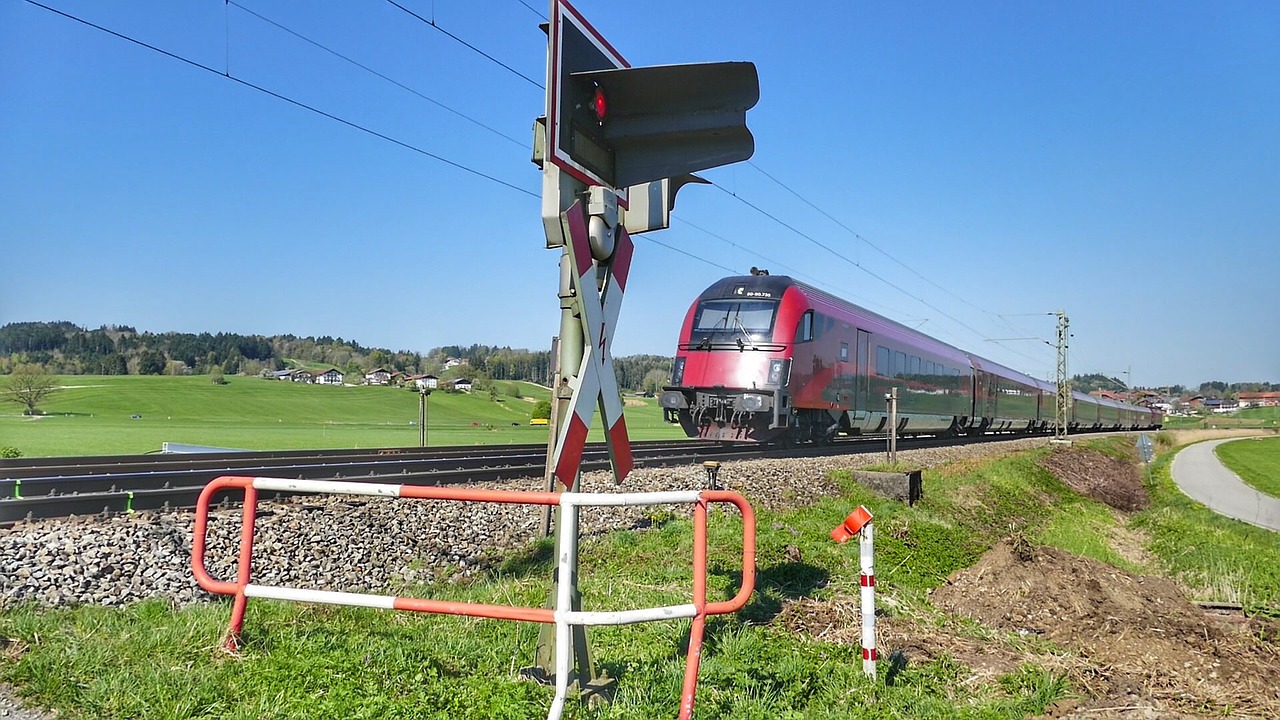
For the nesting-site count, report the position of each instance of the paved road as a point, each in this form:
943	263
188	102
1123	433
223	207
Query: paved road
1197	471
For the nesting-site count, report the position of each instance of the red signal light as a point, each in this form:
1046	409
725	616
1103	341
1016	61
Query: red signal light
599	104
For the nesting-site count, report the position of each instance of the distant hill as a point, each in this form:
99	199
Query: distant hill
65	348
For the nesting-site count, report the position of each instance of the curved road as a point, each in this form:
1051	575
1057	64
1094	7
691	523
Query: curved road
1199	473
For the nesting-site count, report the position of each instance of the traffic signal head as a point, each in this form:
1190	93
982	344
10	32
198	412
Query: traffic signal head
617	126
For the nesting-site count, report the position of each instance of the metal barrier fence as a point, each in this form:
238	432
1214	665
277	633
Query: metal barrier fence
562	616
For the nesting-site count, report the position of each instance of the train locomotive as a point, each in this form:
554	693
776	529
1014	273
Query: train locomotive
766	358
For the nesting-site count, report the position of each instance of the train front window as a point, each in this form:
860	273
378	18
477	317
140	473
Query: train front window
749	317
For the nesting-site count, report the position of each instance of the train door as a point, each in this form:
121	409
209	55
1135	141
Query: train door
862	372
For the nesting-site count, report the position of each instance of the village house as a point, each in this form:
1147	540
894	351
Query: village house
1259	399
378	376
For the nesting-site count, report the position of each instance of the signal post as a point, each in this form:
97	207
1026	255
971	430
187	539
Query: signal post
615	146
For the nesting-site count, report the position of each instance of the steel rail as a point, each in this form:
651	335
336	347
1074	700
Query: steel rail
93	494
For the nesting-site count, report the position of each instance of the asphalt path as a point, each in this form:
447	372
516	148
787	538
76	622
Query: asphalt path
1199	473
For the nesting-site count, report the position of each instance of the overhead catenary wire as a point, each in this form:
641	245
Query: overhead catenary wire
291	101
432	23
868	243
374	72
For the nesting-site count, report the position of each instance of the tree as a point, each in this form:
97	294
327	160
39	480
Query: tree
654	380
29	384
541	410
151	362
115	364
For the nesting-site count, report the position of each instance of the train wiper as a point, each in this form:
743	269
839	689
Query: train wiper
742	328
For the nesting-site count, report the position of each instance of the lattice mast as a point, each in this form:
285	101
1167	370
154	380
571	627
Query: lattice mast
1064	380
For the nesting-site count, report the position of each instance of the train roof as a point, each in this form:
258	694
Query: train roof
991	366
774	286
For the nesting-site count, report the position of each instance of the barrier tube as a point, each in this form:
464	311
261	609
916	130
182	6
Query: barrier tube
694	657
567	553
566	563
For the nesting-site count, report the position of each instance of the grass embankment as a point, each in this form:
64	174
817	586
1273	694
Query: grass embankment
94	415
1257	462
149	661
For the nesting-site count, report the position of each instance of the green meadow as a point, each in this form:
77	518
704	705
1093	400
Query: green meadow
1261	417
95	415
1256	461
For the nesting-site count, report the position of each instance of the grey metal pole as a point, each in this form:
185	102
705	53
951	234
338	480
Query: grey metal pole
892	399
422	418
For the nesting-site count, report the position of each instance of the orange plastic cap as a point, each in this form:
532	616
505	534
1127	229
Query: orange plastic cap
852	524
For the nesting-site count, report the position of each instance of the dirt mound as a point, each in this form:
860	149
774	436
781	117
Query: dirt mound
1138	636
1113	481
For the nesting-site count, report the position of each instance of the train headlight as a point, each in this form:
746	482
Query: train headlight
673	400
677	372
752	402
777	372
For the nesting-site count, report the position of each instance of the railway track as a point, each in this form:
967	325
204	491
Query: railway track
40	488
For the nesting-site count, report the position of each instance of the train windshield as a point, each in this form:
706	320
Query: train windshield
750	317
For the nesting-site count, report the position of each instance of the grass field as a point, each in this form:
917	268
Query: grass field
1264	417
94	415
1257	462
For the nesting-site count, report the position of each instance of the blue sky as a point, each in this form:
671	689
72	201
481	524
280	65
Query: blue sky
992	161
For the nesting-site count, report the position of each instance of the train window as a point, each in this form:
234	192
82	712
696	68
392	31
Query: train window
899	364
734	316
844	352
915	365
882	361
804	331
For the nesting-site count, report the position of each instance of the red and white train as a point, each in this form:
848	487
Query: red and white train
766	358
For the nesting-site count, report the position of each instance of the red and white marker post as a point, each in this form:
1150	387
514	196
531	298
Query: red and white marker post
859	523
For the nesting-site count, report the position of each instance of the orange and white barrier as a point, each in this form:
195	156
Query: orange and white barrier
562	616
859	523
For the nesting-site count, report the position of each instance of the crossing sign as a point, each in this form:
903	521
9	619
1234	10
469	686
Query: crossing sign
595	382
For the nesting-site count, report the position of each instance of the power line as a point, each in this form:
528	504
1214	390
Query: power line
808	237
532	9
291	101
473	48
880	250
370	70
691	255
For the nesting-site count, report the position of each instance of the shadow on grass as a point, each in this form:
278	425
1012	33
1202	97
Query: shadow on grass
536	558
777	584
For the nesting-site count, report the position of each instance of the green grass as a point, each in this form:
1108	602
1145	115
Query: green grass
1256	461
1216	558
300	661
1262	417
94	416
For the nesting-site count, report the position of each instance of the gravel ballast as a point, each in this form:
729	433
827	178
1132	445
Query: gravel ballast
363	544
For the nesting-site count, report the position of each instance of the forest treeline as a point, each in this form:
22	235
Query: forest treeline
65	348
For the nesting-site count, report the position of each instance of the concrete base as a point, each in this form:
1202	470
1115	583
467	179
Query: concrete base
907	487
